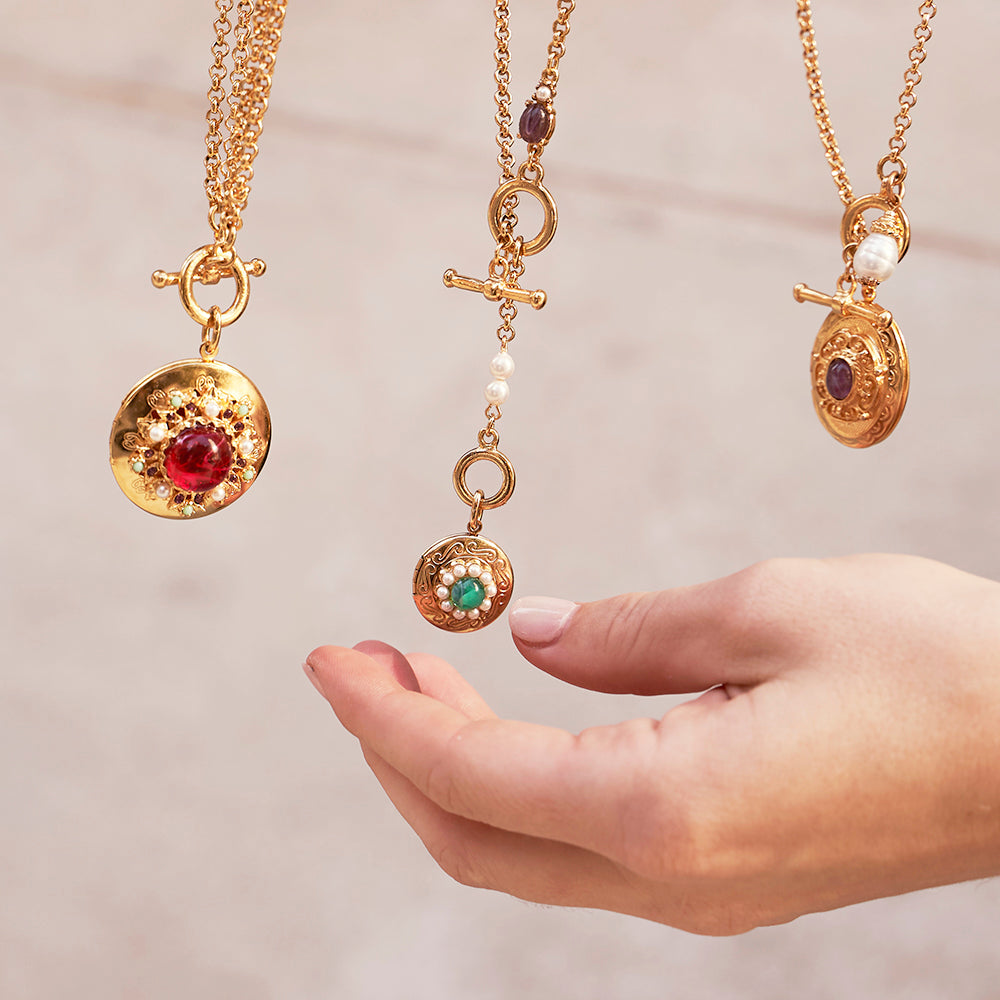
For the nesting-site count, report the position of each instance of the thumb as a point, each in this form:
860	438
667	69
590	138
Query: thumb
666	642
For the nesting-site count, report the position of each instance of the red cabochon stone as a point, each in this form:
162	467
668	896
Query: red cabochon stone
198	459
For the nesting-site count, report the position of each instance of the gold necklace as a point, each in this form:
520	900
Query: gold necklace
465	581
860	372
191	438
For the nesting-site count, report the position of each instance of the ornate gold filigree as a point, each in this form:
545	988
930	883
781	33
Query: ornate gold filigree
881	379
185	395
465	551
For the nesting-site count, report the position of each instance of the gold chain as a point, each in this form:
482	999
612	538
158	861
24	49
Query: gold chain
891	179
508	262
235	120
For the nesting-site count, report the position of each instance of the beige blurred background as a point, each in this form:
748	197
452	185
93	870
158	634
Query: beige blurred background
180	814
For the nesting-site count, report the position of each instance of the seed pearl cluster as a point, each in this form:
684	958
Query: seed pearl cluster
456	571
501	368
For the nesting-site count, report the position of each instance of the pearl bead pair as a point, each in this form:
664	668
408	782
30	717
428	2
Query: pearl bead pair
501	368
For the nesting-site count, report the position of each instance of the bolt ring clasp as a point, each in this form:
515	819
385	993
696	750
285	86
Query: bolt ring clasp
189	273
476	500
859	206
538	191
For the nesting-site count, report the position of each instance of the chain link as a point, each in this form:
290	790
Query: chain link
235	121
891	180
557	47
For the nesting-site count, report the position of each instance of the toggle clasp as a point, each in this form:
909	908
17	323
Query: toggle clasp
208	265
845	306
495	289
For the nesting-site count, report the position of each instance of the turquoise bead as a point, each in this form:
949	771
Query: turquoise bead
467	594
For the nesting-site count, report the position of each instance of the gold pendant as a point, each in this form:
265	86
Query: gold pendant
859	370
464	582
192	437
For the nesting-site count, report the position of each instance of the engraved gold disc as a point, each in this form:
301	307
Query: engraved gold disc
860	379
463	583
190	439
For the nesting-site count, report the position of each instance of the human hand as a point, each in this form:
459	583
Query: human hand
849	747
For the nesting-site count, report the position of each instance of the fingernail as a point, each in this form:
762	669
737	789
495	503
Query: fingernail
311	674
540	621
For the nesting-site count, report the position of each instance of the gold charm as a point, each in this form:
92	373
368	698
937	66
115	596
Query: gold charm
860	372
191	438
465	581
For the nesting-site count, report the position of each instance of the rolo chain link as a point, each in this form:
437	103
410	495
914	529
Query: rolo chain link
235	120
891	179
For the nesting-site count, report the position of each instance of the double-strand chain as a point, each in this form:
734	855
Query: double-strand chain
892	167
235	121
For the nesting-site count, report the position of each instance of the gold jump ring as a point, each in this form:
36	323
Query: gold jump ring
501	461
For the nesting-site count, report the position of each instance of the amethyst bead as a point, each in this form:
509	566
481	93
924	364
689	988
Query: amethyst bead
534	124
839	378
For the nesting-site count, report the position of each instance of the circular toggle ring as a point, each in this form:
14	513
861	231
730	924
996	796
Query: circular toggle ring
501	461
538	191
859	206
185	285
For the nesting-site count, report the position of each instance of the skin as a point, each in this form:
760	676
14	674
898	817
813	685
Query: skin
847	746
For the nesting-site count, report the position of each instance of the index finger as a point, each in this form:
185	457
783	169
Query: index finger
579	789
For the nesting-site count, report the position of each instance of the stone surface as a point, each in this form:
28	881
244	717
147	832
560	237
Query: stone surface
467	593
198	459
839	378
534	123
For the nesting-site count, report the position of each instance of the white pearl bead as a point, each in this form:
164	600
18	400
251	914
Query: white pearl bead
876	257
475	569
543	93
486	578
219	494
157	433
486	605
245	447
162	491
446	605
458	614
491	591
474	613
211	408
502	366
447	579
497	392
442	593
459	571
